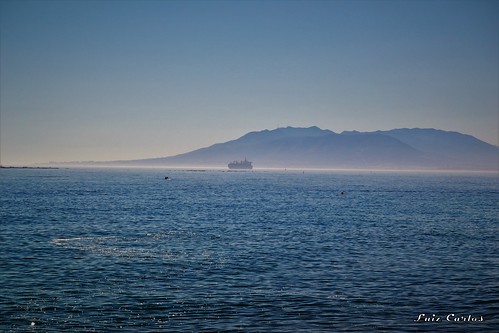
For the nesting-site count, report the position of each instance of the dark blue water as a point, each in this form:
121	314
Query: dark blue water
125	250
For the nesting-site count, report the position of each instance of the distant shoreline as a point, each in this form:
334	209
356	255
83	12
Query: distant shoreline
25	167
205	168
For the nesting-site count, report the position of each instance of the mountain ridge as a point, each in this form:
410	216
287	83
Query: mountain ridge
312	147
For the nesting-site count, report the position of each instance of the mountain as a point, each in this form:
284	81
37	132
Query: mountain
317	148
448	149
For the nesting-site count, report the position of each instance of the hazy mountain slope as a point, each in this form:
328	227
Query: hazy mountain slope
446	148
316	148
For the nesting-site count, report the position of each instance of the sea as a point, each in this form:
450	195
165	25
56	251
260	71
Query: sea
126	250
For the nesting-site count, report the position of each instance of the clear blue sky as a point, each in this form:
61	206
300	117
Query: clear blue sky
109	80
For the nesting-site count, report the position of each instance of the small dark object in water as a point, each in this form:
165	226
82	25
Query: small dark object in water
342	193
166	178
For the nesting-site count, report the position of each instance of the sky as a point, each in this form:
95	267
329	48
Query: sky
117	80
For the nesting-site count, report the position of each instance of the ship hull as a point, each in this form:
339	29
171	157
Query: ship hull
240	167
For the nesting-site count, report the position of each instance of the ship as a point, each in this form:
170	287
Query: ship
242	165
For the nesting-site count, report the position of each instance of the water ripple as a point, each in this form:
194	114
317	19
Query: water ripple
118	250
